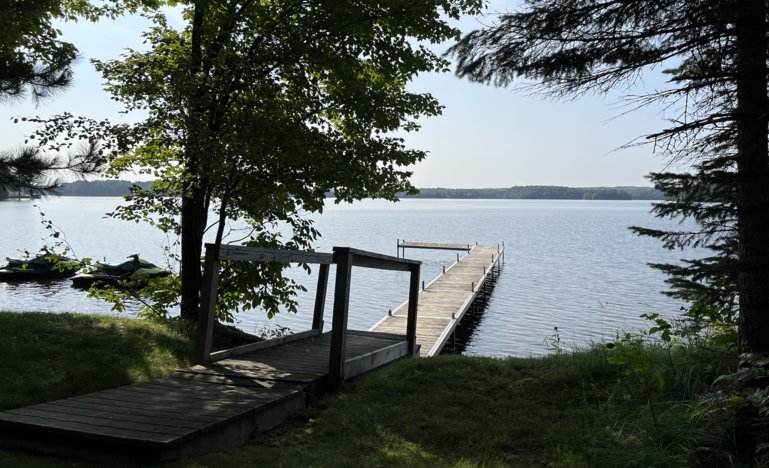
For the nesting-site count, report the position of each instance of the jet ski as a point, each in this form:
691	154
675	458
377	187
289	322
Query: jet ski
46	266
113	274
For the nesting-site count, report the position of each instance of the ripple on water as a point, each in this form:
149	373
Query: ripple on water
570	264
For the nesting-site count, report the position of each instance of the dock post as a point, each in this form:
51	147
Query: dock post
398	248
336	360
444	269
207	314
411	320
320	299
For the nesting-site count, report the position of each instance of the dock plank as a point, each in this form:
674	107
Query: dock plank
86	407
102	419
90	430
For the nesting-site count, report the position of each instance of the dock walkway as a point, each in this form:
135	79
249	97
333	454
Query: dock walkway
444	302
207	407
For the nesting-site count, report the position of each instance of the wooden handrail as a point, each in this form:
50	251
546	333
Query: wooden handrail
344	257
259	254
320	298
343	261
216	253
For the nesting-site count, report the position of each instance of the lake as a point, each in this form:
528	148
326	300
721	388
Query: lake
570	264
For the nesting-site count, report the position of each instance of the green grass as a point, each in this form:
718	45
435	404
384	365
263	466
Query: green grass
562	411
50	356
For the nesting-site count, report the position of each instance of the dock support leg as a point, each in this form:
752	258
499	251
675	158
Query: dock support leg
320	298
343	260
207	314
411	321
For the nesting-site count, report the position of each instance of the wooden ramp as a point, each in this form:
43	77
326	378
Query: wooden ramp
213	406
220	403
443	302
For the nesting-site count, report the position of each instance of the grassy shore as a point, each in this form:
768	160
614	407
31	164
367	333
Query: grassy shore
565	411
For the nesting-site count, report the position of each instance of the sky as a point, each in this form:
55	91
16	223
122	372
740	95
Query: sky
486	137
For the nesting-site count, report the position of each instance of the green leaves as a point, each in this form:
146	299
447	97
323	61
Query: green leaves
661	326
256	110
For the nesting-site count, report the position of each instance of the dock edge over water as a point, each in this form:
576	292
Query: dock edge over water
444	301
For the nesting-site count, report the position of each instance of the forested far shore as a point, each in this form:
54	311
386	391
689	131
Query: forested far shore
118	188
96	188
544	192
101	188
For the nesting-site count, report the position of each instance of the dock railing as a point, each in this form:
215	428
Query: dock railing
344	257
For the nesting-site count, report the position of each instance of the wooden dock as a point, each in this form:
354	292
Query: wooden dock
219	403
444	302
208	407
232	393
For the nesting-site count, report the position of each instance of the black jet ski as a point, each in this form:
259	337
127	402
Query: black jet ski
111	274
43	267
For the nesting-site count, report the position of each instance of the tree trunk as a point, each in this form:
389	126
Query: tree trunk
753	175
194	210
194	217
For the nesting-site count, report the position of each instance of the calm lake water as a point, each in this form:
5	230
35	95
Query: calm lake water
569	264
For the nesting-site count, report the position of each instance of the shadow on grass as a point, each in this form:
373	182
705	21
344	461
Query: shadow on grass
46	357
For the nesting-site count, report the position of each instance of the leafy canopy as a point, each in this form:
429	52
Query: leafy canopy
257	109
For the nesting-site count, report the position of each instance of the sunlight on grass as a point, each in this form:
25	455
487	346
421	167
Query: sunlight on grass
398	451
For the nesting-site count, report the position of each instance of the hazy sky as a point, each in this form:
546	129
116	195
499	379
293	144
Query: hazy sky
486	137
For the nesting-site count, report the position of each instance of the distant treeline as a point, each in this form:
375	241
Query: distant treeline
96	188
100	188
544	192
117	188
6	195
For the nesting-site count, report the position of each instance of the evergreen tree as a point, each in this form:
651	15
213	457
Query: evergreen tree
32	57
720	90
35	62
